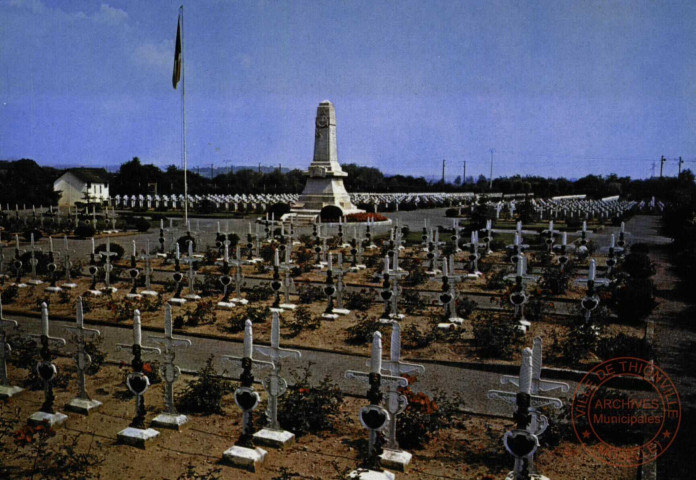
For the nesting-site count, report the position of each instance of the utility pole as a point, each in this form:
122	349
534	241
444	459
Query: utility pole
212	175
662	164
490	177
680	165
443	171
464	172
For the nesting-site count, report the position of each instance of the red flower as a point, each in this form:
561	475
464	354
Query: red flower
147	368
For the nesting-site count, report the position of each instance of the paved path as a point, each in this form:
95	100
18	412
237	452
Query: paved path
469	383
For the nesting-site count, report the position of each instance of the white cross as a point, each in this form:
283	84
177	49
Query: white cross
275	385
82	359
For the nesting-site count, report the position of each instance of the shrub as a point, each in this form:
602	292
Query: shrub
84	230
361	332
411	302
622	345
116	249
360	301
496	337
183	243
122	309
638	265
495	280
555	281
306	409
465	307
152	372
580	342
413	338
423	417
202	314
98	356
416	275
259	293
309	294
302	319
9	294
633	299
142	225
452	212
277	210
204	393
238	318
27	234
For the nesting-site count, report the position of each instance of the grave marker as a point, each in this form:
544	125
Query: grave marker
136	434
170	418
243	454
6	390
82	403
47	372
273	435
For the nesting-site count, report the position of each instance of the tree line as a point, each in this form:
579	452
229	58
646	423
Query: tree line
24	181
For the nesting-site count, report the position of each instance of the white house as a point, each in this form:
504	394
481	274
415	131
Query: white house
82	185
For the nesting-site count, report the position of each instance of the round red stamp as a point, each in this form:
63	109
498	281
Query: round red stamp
626	412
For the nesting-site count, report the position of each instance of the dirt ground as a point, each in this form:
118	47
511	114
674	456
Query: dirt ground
472	451
331	334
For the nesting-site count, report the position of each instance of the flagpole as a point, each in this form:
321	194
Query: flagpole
183	114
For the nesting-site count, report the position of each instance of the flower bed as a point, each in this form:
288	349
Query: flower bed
364	217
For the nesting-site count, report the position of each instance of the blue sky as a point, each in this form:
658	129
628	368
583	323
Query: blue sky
556	88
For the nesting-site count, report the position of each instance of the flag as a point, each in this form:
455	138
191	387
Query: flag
176	75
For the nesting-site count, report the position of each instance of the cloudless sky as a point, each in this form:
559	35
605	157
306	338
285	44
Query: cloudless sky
556	88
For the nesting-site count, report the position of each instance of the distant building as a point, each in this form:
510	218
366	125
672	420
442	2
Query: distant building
82	185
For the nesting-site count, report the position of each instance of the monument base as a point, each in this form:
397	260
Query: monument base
364	474
395	459
192	297
448	326
274	438
8	391
136	437
134	296
69	286
149	293
341	311
357	268
457	320
226	305
53	289
94	293
51	419
35	282
110	290
82	405
329	316
532	476
177	301
432	273
241	301
246	458
288	306
174	421
393	317
20	285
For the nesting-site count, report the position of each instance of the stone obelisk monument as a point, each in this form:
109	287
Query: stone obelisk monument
325	183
